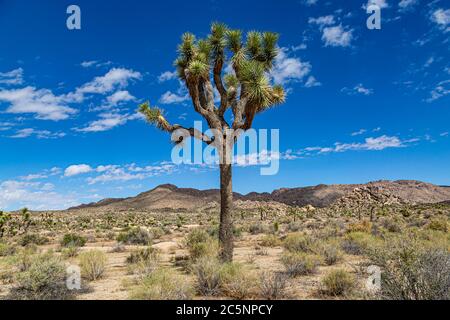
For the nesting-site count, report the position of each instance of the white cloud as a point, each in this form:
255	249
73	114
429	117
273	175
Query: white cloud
322	21
113	79
168	75
170	98
406	5
441	17
40	134
41	102
380	3
108	121
35	196
337	36
78	169
95	63
288	69
312	82
441	90
310	2
120	96
358	89
14	77
359	132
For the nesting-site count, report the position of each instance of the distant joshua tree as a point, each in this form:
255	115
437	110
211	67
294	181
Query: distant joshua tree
246	90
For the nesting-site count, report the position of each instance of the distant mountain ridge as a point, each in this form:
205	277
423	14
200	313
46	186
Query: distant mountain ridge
171	197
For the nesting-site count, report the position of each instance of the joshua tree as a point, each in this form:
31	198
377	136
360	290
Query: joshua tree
246	91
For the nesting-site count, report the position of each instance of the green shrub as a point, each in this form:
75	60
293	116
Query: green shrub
44	279
136	236
70	252
257	228
391	225
200	244
236	282
300	264
163	284
208	275
338	283
73	240
92	264
33	239
298	242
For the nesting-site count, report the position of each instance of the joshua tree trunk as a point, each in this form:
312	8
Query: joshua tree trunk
226	212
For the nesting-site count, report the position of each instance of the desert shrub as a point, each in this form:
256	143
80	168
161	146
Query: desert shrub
330	252
44	279
270	240
6	249
144	261
357	243
257	228
411	271
208	276
32	239
299	263
362	226
298	242
391	225
294	226
338	283
438	224
213	231
137	236
70	252
93	264
236	282
73	240
200	244
272	286
163	284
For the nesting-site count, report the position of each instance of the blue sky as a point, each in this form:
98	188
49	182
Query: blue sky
362	104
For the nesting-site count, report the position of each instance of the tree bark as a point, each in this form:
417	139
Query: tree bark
226	213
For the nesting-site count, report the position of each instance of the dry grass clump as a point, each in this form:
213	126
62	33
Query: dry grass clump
300	263
391	225
357	243
143	262
439	224
93	264
338	283
270	240
272	286
330	252
43	279
7	249
163	284
29	239
362	226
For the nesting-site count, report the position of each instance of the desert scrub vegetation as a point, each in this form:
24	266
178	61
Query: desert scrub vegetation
143	262
338	283
137	236
299	242
163	284
32	238
43	279
300	263
229	279
412	270
439	224
270	240
272	286
92	264
7	249
330	252
357	243
200	244
73	240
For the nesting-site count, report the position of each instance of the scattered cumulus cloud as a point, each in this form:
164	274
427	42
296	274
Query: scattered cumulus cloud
168	75
75	170
359	89
39	134
442	18
287	69
14	77
337	36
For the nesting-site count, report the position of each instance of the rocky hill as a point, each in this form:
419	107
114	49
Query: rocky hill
170	197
